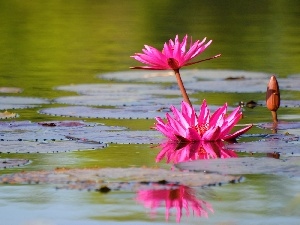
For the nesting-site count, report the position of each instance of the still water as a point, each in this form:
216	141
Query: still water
47	44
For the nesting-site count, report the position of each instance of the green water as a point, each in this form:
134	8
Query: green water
44	44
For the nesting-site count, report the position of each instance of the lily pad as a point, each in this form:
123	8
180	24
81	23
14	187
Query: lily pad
8	163
281	125
9	102
8	115
283	144
245	165
188	76
10	90
120	137
119	90
124	100
115	178
51	130
127	112
48	146
116	113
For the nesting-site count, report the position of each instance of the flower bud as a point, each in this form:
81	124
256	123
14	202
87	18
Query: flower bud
273	97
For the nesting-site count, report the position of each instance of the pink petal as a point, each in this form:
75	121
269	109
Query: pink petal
218	115
212	134
192	135
177	127
179	117
238	133
188	113
204	114
166	131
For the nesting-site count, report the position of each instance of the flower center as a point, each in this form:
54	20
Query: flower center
201	129
173	63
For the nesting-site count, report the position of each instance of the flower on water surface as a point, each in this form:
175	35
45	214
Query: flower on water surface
200	150
173	56
186	126
179	197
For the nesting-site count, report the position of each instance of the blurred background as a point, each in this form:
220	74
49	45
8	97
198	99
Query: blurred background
49	43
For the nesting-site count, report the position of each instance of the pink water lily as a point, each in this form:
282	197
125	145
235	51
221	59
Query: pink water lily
174	197
173	56
187	126
175	152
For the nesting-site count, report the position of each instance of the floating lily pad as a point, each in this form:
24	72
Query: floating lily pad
208	80
230	86
119	90
8	163
105	179
241	85
9	102
126	112
125	100
245	165
281	125
48	146
8	115
51	130
187	75
121	137
10	90
117	113
283	144
119	95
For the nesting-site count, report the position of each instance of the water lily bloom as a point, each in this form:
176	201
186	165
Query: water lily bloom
178	197
173	56
187	126
175	152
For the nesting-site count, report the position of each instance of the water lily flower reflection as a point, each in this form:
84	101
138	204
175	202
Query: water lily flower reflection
181	152
178	197
187	126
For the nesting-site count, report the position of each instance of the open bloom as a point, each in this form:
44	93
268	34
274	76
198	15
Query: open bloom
175	152
173	56
178	197
186	126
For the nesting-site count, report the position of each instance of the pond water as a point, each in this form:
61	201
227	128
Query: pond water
48	48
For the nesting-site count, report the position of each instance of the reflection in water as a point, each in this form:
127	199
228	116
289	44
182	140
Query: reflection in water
179	152
174	196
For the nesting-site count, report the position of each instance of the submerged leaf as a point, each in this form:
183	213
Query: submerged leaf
8	163
10	90
7	115
115	178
